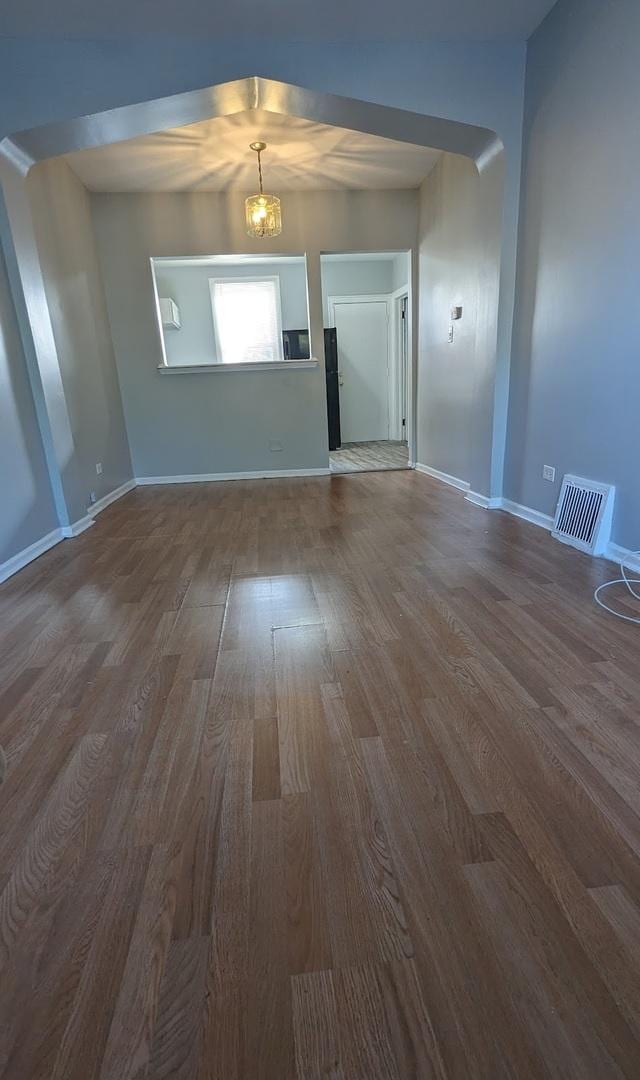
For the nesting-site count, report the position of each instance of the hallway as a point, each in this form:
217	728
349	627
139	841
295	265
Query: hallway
311	777
369	457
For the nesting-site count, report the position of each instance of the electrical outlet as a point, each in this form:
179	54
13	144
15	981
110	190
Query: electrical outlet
451	333
93	498
275	446
99	467
548	472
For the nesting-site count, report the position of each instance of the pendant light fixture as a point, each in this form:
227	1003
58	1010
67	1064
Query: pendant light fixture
262	212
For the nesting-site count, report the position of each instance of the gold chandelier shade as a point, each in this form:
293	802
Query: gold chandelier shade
263	215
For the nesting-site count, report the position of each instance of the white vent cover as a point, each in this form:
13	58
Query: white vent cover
584	514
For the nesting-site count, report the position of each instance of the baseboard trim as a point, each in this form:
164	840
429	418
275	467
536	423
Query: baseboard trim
28	554
445	478
64	532
111	497
208	478
618	555
77	528
535	517
614	552
484	501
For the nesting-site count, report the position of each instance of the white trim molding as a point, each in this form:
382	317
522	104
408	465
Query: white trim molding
77	527
63	532
618	555
445	478
535	517
111	497
28	554
484	501
209	478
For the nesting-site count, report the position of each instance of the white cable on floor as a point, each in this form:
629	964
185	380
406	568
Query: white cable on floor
624	580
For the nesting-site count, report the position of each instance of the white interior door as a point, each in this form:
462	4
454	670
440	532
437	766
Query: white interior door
363	362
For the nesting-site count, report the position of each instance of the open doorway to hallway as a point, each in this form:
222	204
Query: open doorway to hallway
366	299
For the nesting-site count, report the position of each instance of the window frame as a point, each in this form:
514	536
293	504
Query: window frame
219	356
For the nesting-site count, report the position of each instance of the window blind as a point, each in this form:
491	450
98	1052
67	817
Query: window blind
247	320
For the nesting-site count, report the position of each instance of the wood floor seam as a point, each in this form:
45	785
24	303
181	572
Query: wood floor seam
317	777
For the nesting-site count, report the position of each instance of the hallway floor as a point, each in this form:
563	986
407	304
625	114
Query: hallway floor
317	777
369	457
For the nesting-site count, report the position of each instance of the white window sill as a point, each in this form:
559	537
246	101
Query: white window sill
218	369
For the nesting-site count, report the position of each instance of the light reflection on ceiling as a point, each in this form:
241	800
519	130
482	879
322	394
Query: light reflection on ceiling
214	155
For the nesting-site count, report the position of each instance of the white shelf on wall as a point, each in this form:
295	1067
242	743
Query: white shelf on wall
219	369
169	313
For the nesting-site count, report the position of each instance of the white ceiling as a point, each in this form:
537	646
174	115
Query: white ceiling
214	155
297	20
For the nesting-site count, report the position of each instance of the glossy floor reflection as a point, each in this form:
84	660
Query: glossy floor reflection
327	777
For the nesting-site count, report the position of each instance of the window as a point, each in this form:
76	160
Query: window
225	313
247	319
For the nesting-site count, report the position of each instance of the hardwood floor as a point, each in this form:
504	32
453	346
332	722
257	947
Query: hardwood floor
369	457
331	777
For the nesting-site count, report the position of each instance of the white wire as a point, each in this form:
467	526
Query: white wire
624	580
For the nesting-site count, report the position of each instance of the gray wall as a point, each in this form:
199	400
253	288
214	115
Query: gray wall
355	278
476	83
449	266
188	285
185	424
473	82
401	273
64	232
575	382
28	511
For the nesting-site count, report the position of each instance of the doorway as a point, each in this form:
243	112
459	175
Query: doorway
367	368
19	151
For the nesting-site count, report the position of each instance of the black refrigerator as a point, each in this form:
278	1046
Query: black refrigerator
296	347
333	388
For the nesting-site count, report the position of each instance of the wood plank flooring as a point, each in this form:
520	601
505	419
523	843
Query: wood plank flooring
369	457
328	777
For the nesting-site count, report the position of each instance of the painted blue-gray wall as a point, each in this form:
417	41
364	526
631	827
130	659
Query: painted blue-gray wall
356	278
477	83
53	79
575	381
68	256
27	512
449	263
222	422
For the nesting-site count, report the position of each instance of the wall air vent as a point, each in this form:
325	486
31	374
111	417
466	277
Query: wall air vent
584	514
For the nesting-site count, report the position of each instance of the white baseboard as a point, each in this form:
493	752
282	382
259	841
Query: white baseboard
484	501
614	553
28	554
452	481
535	517
106	500
208	478
618	554
78	527
64	532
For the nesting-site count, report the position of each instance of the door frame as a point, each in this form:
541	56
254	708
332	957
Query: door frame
397	409
368	298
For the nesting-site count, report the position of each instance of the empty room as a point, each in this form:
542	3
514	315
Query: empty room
319	531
